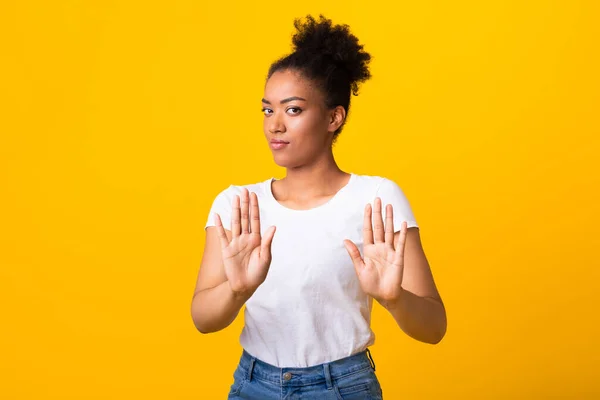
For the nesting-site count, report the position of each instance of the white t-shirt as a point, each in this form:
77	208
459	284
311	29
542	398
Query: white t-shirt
311	309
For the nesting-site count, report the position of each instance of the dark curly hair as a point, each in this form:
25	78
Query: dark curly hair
331	57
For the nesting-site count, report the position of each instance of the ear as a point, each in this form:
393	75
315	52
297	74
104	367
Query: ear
336	118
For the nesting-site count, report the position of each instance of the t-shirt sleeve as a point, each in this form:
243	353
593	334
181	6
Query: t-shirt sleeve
391	193
221	205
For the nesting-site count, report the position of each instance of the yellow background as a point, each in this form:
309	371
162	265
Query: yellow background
121	120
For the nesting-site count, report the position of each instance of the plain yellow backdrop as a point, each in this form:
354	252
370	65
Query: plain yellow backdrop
121	120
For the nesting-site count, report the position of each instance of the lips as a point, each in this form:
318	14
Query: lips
278	144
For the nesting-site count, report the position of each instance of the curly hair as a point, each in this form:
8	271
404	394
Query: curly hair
331	57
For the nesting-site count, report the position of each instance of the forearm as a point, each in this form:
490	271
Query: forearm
216	308
421	318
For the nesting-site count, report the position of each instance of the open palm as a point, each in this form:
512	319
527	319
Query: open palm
381	270
247	256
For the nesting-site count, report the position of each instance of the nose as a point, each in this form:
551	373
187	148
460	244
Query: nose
275	123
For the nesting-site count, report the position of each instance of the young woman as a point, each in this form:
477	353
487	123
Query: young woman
307	254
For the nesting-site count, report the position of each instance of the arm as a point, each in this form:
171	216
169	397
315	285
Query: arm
395	272
214	305
233	265
419	310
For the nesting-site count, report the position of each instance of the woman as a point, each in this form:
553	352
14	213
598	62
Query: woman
308	290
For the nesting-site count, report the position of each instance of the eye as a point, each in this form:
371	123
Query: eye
295	108
265	109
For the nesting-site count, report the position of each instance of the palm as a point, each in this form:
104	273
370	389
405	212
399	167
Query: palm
247	256
380	270
243	264
380	275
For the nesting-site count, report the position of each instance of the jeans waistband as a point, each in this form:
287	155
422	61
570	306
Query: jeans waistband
301	376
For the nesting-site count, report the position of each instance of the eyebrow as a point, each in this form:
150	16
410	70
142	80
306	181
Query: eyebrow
285	100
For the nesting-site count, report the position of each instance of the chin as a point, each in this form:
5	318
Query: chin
283	161
280	161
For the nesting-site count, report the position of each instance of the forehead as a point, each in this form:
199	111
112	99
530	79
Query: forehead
283	84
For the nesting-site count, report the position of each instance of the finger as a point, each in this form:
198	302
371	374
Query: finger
265	244
399	254
236	228
389	226
245	211
354	253
378	233
221	231
367	227
254	214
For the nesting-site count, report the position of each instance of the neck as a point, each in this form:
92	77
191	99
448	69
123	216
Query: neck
322	178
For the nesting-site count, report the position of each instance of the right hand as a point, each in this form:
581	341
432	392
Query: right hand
247	256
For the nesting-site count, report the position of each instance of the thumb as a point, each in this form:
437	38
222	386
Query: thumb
354	255
267	239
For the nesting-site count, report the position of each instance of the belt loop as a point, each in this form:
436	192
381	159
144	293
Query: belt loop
371	359
327	376
251	367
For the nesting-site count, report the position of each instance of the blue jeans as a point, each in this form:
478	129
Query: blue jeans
349	378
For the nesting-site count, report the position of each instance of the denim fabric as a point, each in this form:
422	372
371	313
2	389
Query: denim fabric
350	378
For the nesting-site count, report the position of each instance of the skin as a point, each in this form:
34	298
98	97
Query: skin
394	269
312	175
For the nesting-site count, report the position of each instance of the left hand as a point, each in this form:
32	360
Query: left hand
381	271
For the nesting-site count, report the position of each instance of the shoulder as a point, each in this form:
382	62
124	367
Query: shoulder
383	187
390	192
375	183
236	189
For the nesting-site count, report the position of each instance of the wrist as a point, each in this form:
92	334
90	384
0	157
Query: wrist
239	295
394	303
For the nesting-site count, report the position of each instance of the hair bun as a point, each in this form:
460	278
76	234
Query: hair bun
333	43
